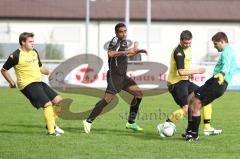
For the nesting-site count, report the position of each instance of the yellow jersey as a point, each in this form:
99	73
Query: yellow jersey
26	65
180	59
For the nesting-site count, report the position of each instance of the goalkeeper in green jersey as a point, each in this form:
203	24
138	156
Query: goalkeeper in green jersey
214	87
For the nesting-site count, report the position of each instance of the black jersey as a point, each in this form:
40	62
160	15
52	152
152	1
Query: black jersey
118	65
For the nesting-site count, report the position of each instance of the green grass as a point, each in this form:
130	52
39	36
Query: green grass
23	134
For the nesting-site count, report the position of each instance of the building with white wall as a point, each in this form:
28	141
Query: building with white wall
62	23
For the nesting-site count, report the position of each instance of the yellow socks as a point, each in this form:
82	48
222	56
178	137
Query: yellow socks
49	117
207	115
175	116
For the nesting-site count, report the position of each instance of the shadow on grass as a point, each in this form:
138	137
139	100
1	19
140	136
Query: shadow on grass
22	129
24	125
19	132
144	135
116	132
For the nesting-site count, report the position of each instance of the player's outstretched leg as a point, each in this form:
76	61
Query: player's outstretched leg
96	111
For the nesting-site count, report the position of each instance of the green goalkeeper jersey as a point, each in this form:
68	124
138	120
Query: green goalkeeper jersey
227	63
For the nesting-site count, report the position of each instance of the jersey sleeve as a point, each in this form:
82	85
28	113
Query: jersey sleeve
39	61
179	59
113	45
11	62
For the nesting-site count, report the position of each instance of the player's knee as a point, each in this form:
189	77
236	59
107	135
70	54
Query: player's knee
57	100
48	104
139	94
108	98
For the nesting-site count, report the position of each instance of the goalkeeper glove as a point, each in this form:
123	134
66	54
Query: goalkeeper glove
220	78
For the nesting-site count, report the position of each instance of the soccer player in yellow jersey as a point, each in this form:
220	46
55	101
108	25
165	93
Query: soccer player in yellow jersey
180	86
28	69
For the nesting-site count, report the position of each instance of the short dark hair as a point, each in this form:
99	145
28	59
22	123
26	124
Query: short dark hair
23	37
186	35
119	25
220	36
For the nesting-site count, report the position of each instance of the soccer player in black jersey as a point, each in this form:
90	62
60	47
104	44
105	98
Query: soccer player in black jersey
117	79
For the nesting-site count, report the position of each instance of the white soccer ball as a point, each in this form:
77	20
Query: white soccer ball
166	129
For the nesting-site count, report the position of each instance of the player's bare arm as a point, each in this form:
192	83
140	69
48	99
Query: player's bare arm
117	53
129	52
7	76
133	52
188	72
44	70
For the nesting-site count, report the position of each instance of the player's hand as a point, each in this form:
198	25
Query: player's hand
12	85
142	51
201	70
220	78
132	51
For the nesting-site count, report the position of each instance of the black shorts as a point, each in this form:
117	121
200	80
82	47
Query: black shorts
181	90
210	91
39	93
117	82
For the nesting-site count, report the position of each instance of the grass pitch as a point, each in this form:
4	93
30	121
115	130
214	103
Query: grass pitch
23	134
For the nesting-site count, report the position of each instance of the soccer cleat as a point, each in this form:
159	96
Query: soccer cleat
184	135
190	138
54	134
134	127
58	130
193	139
211	131
87	126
